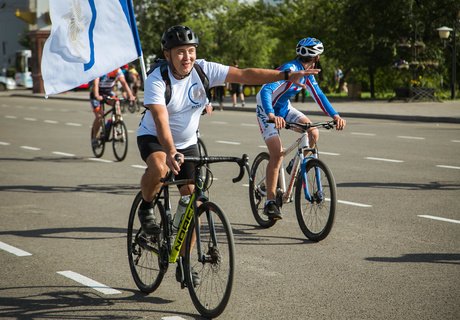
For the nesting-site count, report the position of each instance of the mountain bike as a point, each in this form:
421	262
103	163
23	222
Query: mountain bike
315	188
113	130
204	230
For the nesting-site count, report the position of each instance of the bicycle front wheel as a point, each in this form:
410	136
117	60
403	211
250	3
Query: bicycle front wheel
216	265
120	140
147	255
258	190
98	145
316	216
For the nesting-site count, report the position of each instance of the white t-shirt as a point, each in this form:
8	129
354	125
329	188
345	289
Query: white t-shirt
188	99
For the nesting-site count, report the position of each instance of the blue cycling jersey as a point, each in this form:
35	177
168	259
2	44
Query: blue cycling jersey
275	95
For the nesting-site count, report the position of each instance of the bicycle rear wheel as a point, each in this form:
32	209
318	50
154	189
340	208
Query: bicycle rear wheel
120	140
316	217
99	146
258	191
205	175
216	271
147	255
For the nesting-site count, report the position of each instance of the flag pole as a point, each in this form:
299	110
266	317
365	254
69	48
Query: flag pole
137	39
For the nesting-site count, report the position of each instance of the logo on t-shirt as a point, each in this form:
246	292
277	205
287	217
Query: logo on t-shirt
196	94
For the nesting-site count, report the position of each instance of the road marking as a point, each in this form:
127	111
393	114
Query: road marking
88	282
228	142
73	124
382	159
354	203
455	140
11	117
249	125
263	146
447	167
30	148
4	143
50	121
14	250
100	160
63	154
363	134
172	318
138	166
330	153
30	119
412	138
219	122
438	218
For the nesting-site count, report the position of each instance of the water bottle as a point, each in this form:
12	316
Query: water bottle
181	206
289	167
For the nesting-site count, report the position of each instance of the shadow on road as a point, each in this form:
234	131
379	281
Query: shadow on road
444	258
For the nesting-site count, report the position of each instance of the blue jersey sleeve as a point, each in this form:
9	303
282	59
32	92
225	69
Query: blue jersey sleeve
319	97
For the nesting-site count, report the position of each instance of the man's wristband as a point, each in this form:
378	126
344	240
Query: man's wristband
286	74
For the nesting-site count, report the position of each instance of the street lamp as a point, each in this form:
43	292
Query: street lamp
444	33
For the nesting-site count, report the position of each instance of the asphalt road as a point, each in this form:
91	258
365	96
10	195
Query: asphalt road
393	253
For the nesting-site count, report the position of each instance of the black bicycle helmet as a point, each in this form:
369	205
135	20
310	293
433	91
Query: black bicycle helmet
178	36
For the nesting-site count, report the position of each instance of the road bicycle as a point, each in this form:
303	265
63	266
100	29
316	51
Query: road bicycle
315	188
203	152
113	130
209	244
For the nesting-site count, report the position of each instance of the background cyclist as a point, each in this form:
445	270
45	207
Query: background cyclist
104	86
167	130
273	104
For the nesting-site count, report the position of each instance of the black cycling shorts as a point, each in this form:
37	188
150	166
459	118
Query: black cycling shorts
149	144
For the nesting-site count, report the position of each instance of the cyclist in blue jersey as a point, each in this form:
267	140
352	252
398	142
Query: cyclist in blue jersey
273	104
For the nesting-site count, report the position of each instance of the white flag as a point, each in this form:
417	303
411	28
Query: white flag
89	38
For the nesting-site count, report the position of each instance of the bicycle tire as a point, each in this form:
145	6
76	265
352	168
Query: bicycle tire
205	174
98	149
316	219
257	190
148	261
120	140
212	295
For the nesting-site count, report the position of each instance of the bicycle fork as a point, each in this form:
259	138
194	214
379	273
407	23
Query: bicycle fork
318	196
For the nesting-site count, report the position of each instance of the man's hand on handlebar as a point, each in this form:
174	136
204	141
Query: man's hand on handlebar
278	121
174	162
339	122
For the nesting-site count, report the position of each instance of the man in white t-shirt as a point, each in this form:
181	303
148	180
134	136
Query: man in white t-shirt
169	130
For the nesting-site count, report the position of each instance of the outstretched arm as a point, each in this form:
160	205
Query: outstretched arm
254	76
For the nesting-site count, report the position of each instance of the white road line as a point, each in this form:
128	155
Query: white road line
447	167
11	117
138	166
412	138
438	218
4	143
245	185
73	124
30	148
88	282
228	142
454	140
30	119
249	125
14	250
63	154
383	159
100	160
330	153
356	204
172	318
363	134
50	121
261	146
219	122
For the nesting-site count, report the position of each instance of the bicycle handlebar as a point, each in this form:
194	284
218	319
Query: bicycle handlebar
305	126
243	163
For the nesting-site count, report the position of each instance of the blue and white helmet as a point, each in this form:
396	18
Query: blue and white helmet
309	47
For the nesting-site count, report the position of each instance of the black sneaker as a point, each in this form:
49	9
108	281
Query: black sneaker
179	271
148	222
272	211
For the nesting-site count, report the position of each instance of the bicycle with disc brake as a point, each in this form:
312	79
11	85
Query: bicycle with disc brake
204	230
315	194
113	130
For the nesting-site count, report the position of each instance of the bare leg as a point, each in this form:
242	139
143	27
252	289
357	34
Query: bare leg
275	149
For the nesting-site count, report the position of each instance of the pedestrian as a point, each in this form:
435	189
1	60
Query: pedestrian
236	90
